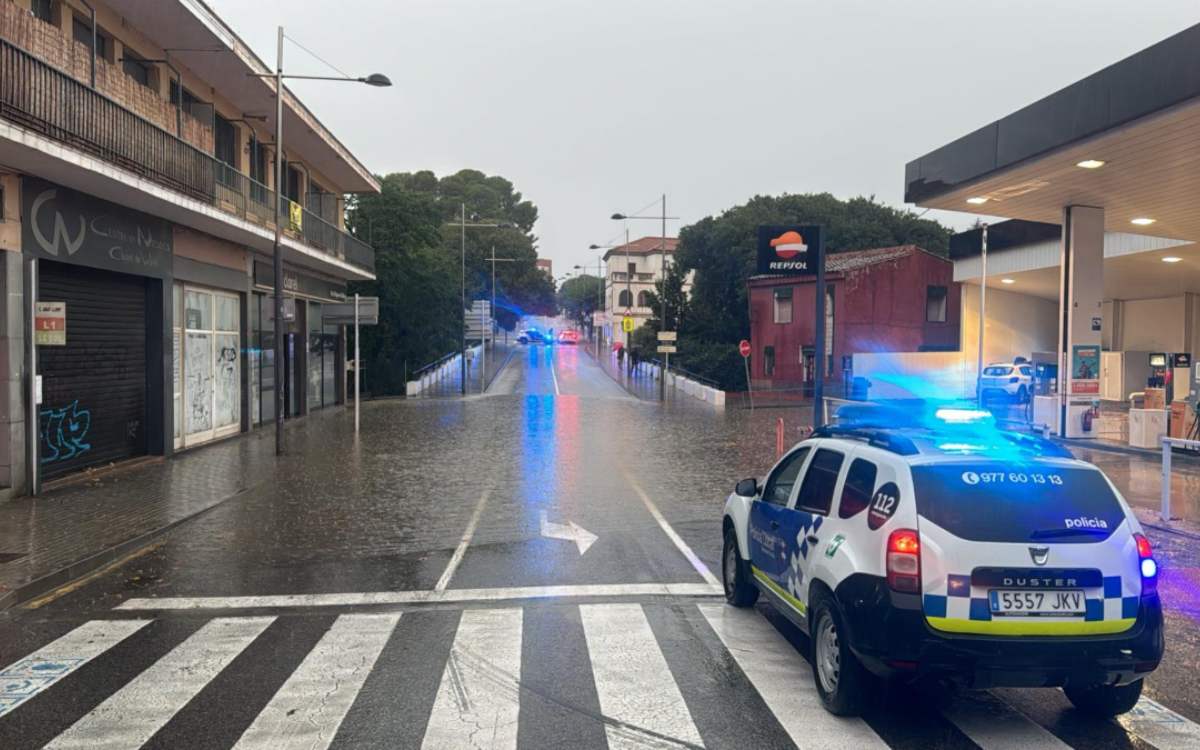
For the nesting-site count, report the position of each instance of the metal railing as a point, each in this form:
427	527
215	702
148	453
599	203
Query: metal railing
40	97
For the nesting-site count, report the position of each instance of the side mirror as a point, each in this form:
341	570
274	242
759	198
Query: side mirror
746	488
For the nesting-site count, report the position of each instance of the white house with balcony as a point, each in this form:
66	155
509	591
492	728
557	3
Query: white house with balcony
631	271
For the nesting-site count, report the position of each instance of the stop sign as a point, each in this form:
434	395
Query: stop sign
744	348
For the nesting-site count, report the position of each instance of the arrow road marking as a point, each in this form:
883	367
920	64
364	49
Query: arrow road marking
571	532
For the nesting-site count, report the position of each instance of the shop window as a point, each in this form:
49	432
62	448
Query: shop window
625	298
783	305
935	304
209	365
768	361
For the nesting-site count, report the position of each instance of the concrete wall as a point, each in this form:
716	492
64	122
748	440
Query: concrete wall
1017	325
1153	325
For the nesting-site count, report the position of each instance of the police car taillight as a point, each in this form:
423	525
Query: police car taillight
904	561
1147	564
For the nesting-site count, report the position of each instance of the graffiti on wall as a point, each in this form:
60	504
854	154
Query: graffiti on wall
64	432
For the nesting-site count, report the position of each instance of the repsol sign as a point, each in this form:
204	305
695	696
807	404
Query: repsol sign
61	224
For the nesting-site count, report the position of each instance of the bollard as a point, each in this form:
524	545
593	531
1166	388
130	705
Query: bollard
1165	511
778	437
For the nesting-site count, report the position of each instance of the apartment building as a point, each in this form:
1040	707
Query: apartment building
631	272
137	202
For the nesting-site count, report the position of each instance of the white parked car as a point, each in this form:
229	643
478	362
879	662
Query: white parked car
947	548
1006	380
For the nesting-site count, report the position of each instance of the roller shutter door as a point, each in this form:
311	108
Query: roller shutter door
93	389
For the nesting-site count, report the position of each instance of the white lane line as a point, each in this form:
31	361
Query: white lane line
286	601
696	562
478	702
131	716
641	703
310	706
782	677
25	678
463	543
994	725
554	377
1160	726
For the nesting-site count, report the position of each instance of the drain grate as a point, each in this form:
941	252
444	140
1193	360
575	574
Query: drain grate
7	557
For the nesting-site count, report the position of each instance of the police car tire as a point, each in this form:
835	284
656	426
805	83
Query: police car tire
741	591
854	682
1105	700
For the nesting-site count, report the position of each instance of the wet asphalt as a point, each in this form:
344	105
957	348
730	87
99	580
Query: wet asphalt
484	493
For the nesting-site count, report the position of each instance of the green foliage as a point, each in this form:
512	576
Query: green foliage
722	251
420	270
644	341
579	296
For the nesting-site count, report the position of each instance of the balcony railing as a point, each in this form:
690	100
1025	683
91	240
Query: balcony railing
42	98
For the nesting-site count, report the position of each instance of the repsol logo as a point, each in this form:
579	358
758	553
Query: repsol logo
1084	522
1030	582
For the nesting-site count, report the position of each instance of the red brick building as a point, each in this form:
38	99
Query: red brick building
889	299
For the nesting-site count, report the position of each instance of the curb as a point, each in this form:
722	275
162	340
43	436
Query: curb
93	562
1145	453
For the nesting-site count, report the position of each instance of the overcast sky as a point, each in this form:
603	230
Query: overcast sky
596	106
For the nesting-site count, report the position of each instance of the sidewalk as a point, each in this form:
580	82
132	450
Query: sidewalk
640	383
497	356
74	529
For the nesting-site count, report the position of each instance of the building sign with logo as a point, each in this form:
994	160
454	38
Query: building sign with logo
298	283
50	324
789	250
1085	369
60	224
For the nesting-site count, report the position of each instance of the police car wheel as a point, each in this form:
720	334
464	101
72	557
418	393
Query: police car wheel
1105	700
740	591
841	681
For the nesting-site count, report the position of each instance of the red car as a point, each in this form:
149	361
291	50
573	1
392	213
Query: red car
568	337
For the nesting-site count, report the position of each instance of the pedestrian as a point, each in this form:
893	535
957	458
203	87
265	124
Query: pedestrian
633	360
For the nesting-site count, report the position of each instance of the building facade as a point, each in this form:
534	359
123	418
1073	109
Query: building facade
892	299
137	202
546	266
630	274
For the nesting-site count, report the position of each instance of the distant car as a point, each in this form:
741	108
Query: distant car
1007	380
531	336
568	337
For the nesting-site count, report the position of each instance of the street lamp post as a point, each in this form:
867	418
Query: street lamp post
662	380
375	79
600	289
463	225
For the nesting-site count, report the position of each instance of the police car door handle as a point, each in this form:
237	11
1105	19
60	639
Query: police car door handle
812	539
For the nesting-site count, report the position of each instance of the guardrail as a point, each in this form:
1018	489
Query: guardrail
689	383
1168	444
39	96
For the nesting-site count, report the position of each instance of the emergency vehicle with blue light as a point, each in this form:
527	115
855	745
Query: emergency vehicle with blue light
938	546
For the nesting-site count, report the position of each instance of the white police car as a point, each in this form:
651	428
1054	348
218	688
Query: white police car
945	548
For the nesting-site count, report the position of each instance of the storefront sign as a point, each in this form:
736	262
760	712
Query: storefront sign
790	250
60	224
1085	369
50	324
298	283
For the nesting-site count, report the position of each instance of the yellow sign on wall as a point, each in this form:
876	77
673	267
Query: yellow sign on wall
627	324
295	215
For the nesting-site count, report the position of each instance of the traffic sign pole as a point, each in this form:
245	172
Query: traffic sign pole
744	350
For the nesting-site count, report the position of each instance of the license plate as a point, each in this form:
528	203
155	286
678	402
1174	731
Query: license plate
1022	602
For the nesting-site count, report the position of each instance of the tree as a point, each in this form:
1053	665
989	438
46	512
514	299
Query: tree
580	296
722	252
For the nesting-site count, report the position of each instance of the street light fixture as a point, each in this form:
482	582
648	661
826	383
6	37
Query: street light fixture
662	380
464	225
375	79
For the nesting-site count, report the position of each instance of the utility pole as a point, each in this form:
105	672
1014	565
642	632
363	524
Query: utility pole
662	376
462	354
278	253
982	313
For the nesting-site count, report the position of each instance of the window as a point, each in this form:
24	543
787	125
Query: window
1027	371
643	298
778	489
935	304
292	185
783	305
816	493
625	298
768	361
82	31
43	10
860	485
136	68
225	141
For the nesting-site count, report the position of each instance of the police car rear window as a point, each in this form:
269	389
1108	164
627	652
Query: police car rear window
994	502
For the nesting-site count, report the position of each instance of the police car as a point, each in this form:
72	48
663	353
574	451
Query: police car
938	546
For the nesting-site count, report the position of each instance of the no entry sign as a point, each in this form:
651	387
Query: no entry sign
744	348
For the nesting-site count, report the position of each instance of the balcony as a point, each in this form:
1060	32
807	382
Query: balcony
44	99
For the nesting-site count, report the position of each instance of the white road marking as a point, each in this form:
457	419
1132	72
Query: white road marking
554	377
638	695
275	601
783	678
25	678
308	709
463	543
994	725
1160	726
478	701
131	716
696	562
571	532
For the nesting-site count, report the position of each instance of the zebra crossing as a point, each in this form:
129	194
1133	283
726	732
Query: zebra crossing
626	675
